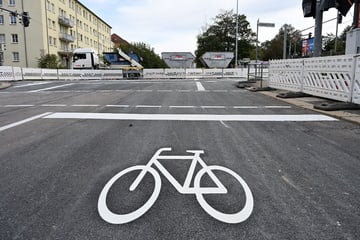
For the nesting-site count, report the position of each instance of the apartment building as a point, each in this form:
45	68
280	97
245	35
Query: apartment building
56	27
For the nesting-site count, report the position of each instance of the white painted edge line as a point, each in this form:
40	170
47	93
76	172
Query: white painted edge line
24	121
192	117
199	86
49	88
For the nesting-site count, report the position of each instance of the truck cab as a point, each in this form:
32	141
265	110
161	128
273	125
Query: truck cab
85	58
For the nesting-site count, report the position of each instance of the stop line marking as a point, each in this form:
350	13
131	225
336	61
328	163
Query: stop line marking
192	117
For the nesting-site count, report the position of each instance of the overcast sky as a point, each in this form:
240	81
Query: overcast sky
172	25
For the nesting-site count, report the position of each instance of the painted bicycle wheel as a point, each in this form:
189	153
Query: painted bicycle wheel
114	218
237	217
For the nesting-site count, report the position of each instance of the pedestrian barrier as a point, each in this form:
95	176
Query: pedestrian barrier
336	77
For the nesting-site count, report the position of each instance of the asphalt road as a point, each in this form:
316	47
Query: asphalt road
61	142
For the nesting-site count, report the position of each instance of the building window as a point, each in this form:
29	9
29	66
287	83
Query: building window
11	2
12	19
2	38
1	3
1	19
14	38
16	57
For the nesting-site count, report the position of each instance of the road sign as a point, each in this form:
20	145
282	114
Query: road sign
266	24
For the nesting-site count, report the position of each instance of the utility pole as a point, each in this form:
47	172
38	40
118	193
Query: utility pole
356	14
318	29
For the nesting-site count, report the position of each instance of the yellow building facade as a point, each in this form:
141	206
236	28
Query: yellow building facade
56	27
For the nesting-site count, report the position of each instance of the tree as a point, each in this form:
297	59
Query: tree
329	46
49	61
221	35
149	58
274	48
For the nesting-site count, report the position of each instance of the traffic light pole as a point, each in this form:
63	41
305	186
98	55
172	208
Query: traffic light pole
318	30
356	14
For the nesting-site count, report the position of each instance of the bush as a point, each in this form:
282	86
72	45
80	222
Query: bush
50	61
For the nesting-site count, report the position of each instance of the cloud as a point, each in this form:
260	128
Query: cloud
172	25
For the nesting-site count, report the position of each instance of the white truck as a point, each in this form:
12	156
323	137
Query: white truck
85	58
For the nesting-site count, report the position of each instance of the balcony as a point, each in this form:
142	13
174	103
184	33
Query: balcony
66	37
65	51
67	22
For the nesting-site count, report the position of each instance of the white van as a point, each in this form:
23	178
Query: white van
85	58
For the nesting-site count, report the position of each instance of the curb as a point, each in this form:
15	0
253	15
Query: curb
347	116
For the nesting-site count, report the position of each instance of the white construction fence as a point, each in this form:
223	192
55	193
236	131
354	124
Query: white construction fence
336	78
8	73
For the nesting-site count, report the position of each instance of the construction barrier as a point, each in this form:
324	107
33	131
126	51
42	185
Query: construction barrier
336	78
8	73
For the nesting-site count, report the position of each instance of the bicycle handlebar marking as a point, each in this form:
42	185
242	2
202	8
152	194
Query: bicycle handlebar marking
113	218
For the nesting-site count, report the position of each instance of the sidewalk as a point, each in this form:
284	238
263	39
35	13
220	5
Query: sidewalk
309	102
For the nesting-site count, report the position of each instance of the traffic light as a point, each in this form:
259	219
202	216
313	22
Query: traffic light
344	6
309	8
339	18
25	19
327	4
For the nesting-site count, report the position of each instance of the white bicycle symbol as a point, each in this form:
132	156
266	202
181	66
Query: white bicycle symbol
199	191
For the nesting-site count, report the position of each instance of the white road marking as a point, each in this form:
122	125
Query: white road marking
24	121
144	90
50	88
220	91
183	107
260	107
19	105
192	117
85	105
164	90
186	91
225	125
200	87
144	106
215	107
148	106
31	84
118	106
53	105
